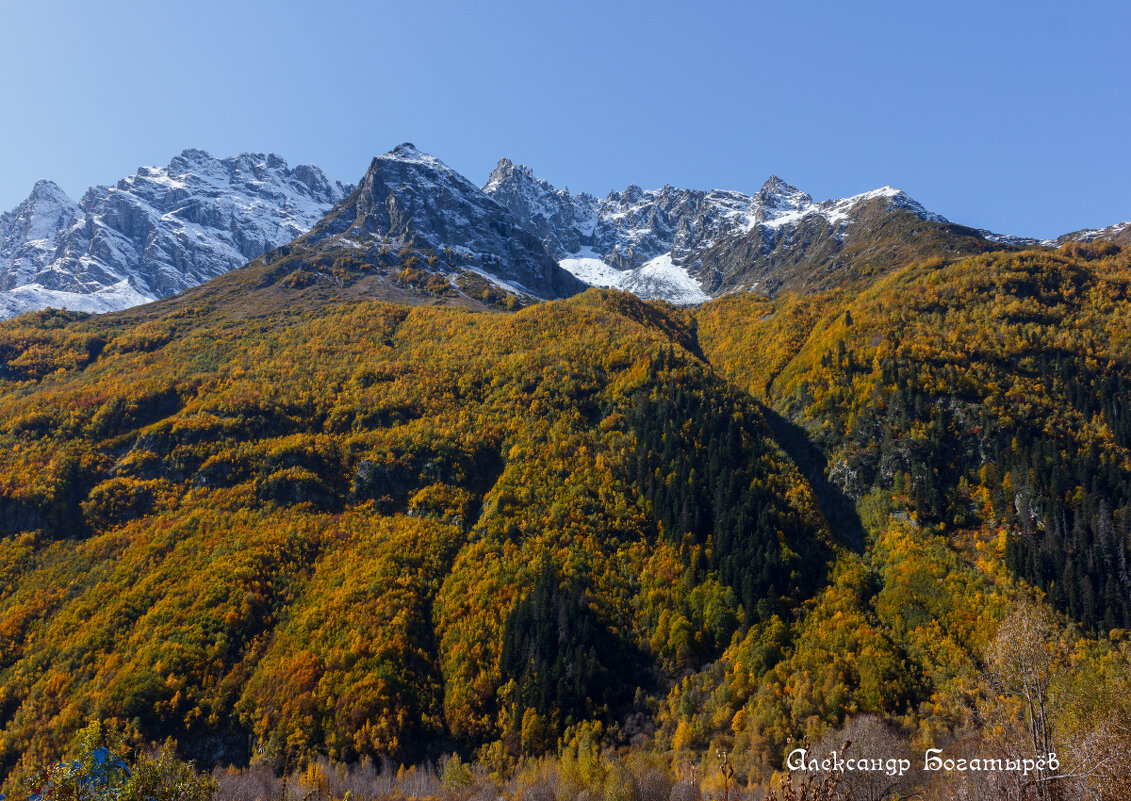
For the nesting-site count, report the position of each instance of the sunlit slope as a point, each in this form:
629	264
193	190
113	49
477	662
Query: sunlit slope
987	393
352	528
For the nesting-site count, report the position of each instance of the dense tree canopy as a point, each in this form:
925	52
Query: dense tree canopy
361	529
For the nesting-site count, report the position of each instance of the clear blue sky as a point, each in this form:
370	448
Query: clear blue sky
1010	116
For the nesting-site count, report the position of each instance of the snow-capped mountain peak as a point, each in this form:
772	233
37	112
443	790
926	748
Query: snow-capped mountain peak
156	232
48	191
558	219
410	198
406	151
896	197
777	193
776	186
28	233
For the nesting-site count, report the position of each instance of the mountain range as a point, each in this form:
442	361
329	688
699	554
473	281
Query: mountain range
166	229
686	245
154	233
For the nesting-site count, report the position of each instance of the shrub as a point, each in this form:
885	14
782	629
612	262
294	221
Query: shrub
100	772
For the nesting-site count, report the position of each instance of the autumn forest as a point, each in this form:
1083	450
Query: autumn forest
592	546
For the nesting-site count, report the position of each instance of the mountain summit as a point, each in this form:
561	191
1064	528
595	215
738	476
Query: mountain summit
410	199
28	234
154	233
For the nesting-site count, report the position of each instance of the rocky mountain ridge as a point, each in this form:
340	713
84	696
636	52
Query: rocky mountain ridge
686	245
166	229
154	233
1120	234
412	201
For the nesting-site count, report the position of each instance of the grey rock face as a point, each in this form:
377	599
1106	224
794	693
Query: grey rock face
157	232
627	229
563	222
409	198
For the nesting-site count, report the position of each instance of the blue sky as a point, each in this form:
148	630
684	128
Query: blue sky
1010	116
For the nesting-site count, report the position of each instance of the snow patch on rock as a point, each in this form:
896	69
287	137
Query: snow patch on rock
657	279
34	297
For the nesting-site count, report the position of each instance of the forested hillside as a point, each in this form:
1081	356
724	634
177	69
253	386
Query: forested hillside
990	391
277	521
